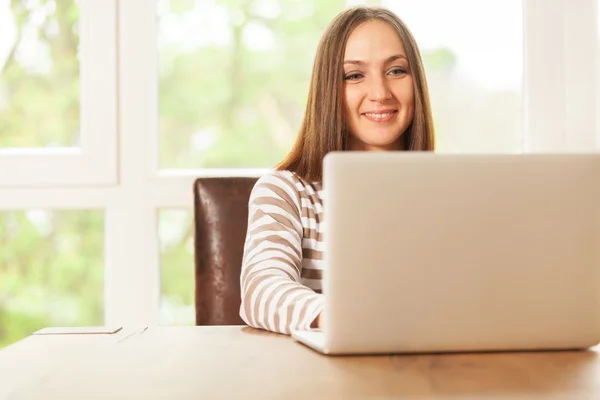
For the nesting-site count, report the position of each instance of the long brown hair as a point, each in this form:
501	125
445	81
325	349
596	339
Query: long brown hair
324	126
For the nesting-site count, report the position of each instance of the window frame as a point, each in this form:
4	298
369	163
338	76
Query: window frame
557	92
560	75
94	162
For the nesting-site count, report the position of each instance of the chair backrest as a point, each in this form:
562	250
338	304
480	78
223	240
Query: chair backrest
221	220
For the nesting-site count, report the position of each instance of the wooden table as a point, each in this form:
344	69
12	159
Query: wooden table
243	363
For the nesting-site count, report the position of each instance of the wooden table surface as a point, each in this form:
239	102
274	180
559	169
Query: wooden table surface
243	363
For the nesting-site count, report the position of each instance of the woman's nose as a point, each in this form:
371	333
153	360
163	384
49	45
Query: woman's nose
378	90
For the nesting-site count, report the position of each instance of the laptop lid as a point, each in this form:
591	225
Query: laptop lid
431	252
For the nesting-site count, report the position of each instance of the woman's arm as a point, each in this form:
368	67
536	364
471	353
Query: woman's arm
271	293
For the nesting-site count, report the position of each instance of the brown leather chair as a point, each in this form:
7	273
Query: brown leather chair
221	219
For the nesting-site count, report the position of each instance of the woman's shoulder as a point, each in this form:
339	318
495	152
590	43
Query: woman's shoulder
283	185
275	185
283	180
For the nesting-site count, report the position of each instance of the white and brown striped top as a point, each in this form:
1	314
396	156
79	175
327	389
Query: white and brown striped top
283	254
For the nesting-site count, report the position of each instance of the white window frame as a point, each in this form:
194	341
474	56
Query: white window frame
560	75
94	162
560	64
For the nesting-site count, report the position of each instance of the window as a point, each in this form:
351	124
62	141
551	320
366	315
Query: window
187	88
57	92
474	66
255	61
52	269
40	74
560	67
175	231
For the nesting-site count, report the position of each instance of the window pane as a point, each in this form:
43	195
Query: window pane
472	53
234	75
175	231
39	73
51	269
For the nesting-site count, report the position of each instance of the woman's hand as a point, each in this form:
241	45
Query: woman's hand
317	322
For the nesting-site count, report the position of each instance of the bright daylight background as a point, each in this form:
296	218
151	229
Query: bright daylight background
232	82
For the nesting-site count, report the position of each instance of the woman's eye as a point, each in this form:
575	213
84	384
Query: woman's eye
398	71
353	77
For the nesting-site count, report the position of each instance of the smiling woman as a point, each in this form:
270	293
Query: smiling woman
367	92
379	91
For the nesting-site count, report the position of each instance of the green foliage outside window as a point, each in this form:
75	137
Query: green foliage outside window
229	100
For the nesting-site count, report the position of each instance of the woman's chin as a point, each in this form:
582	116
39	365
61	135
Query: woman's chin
379	146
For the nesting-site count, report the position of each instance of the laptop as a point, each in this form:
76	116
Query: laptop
430	253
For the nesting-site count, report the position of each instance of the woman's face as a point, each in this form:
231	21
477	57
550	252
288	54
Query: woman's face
379	94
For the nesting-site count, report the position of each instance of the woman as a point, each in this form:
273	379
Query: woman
368	92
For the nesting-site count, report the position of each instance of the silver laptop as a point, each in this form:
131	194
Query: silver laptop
453	253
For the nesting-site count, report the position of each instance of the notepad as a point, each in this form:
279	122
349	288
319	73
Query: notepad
78	330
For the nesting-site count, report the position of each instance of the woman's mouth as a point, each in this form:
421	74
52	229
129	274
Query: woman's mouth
381	116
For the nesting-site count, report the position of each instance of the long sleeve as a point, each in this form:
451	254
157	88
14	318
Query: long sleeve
272	296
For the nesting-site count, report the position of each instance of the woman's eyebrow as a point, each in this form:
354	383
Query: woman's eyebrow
387	61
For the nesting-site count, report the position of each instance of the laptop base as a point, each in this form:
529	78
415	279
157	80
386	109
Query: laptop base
315	339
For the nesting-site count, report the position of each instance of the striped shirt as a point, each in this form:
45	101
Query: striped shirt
282	264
